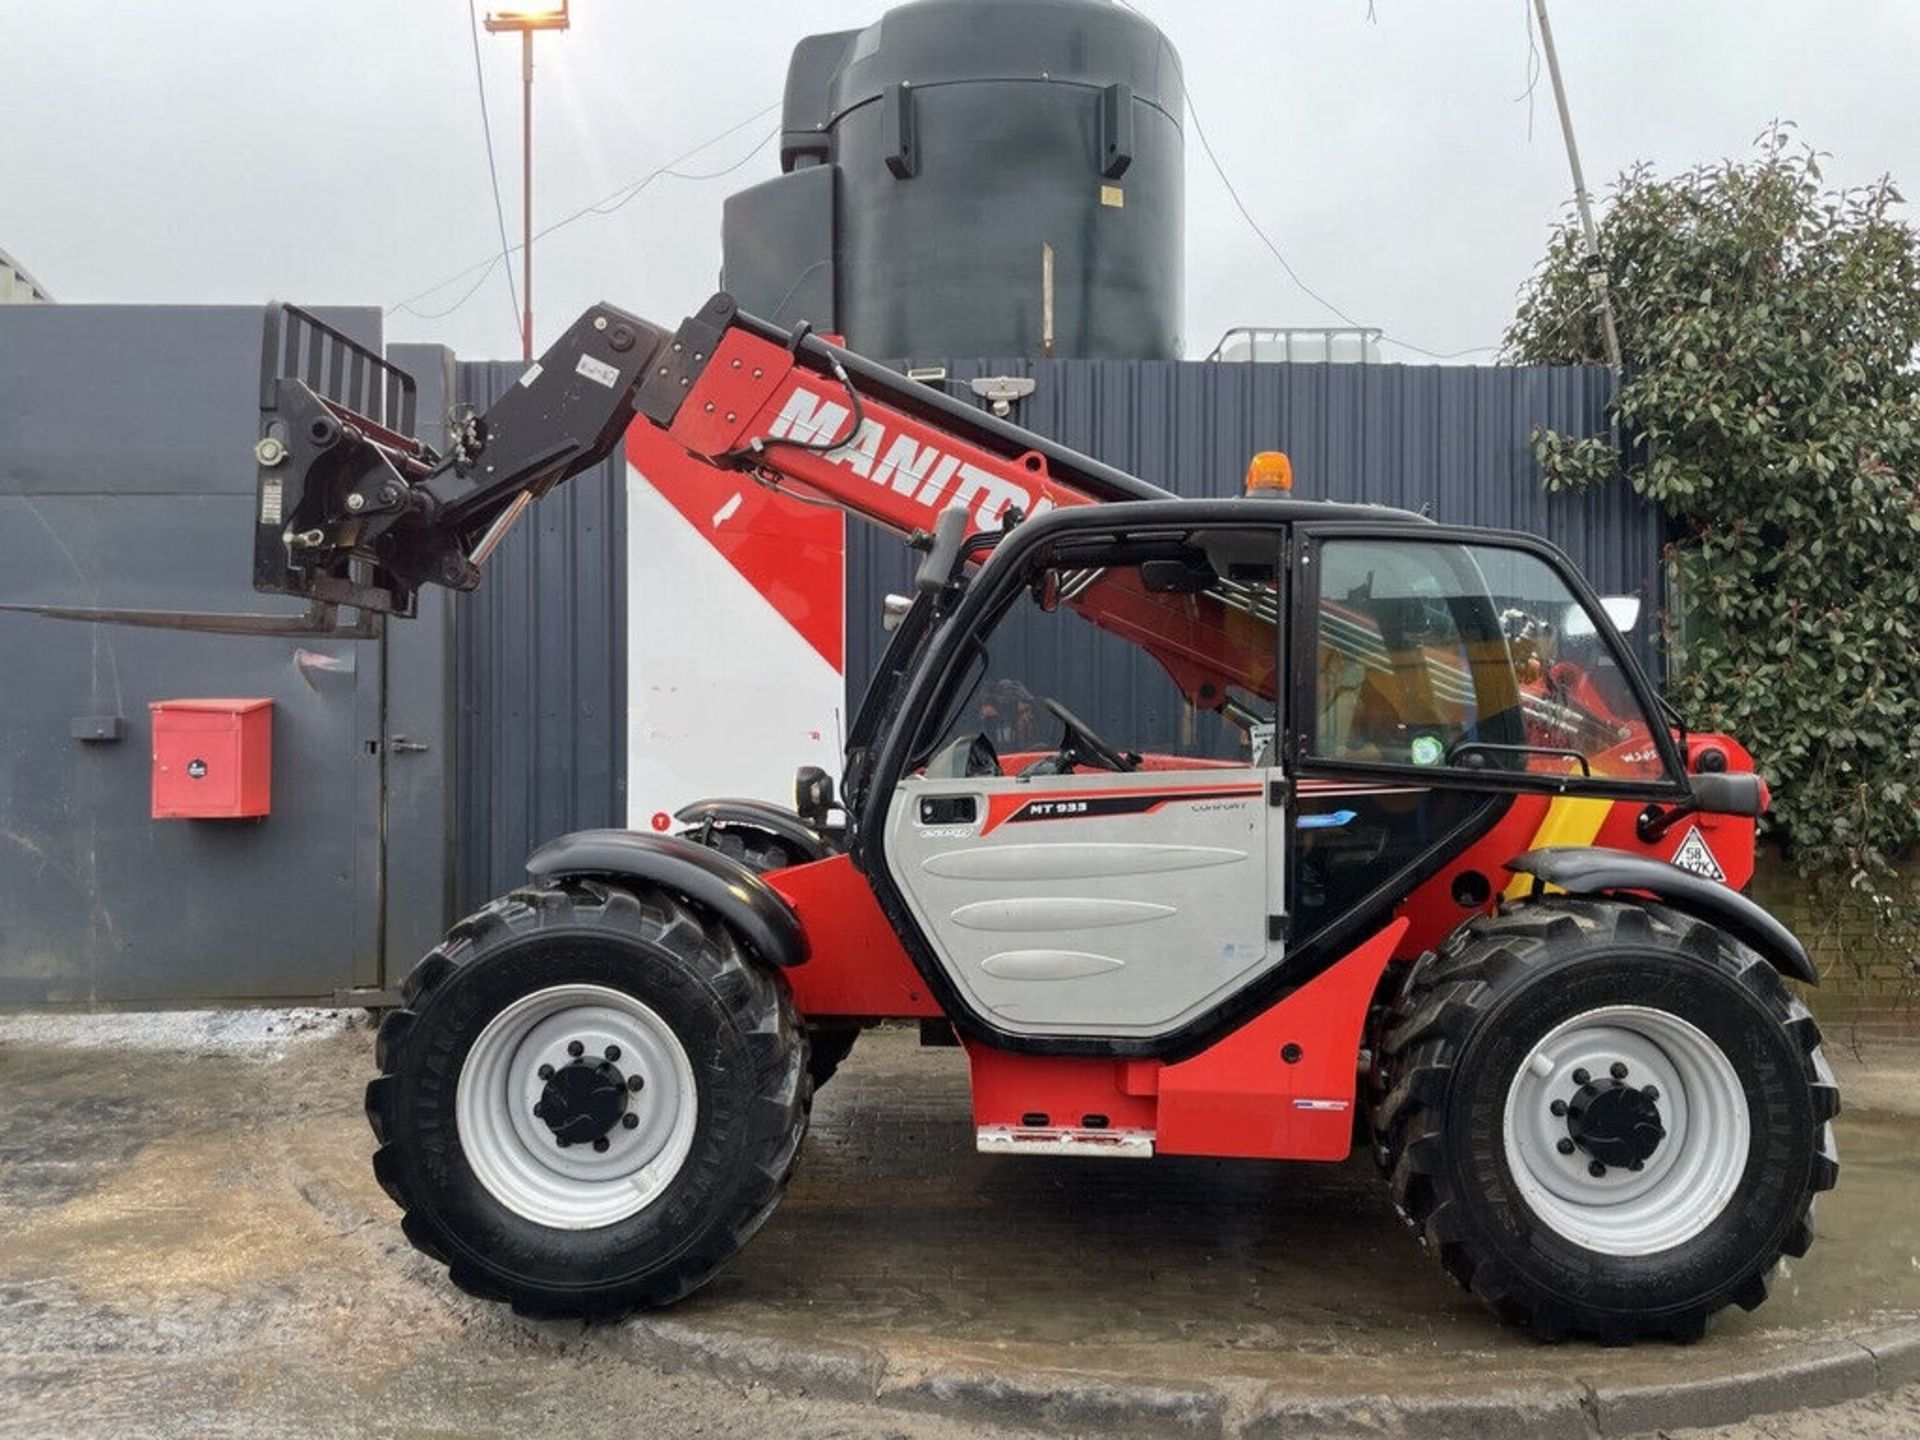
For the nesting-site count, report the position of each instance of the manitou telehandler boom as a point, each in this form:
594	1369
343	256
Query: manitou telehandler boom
1392	837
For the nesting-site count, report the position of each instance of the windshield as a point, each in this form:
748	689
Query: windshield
1476	657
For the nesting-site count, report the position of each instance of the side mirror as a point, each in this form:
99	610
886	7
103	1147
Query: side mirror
949	534
812	795
1724	794
1622	610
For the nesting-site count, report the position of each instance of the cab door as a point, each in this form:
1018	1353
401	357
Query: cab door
1112	863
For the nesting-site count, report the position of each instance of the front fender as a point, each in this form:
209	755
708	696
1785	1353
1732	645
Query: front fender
1593	870
734	894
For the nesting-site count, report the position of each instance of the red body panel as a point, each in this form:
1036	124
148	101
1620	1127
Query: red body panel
1430	910
1242	1096
1729	838
1239	1097
854	966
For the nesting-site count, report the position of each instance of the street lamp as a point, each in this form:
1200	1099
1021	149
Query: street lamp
526	19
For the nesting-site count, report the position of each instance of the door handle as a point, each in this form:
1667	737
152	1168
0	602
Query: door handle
948	810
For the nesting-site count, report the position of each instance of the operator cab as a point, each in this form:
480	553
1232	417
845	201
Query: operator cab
1285	713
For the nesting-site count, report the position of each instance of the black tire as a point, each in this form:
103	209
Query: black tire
1470	1015
827	1044
733	1019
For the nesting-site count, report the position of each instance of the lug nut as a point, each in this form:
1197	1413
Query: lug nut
545	1072
1558	1108
634	1082
600	1145
1652	1092
1618	1070
539	1110
1564	1145
613	1052
631	1121
1581	1077
1637	1165
562	1141
576	1049
1596	1169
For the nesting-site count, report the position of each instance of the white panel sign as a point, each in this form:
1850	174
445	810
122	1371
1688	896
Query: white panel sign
724	697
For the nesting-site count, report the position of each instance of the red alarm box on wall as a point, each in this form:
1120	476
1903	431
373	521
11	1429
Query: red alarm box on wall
212	759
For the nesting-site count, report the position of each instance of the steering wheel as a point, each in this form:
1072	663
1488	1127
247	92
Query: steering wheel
1083	743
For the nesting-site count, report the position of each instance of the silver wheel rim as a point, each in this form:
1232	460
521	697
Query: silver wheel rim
514	1154
1683	1186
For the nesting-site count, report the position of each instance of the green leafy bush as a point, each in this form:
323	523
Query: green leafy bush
1771	407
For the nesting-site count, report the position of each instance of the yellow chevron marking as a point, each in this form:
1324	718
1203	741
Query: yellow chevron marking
1570	820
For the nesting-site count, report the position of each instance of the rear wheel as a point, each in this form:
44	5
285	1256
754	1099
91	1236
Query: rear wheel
1605	1117
590	1101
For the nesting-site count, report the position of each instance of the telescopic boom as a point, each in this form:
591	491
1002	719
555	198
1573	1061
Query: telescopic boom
353	510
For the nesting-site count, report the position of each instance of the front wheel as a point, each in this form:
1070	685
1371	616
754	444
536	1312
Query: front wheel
591	1100
762	851
1606	1118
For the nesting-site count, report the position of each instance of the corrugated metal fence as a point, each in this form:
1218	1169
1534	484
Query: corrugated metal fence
541	673
542	646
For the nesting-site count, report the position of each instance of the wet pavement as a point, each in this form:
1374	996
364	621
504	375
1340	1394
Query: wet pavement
896	1228
189	1232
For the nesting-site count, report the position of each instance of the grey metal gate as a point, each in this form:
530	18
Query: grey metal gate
126	482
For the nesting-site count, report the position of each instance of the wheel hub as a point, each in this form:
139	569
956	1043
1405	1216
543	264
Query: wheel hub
1626	1129
1614	1122
583	1100
541	1115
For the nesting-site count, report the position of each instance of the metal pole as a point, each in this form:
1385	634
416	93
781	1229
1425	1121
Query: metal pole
1596	270
1046	300
526	194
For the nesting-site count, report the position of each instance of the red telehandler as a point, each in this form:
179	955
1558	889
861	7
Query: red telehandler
1393	838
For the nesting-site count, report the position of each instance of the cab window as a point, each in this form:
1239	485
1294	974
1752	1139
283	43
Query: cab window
1467	657
1167	650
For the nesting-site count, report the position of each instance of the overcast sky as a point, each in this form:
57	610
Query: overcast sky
330	151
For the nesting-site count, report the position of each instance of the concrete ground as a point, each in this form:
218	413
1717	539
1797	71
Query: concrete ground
191	1244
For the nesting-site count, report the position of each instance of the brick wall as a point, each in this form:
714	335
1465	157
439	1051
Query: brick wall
1869	976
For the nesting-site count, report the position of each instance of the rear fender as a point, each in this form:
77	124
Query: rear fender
1592	870
740	899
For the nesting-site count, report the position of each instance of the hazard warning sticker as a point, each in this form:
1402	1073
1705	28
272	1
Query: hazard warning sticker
1694	855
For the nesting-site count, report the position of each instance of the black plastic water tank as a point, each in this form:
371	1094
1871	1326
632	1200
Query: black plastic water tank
962	141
